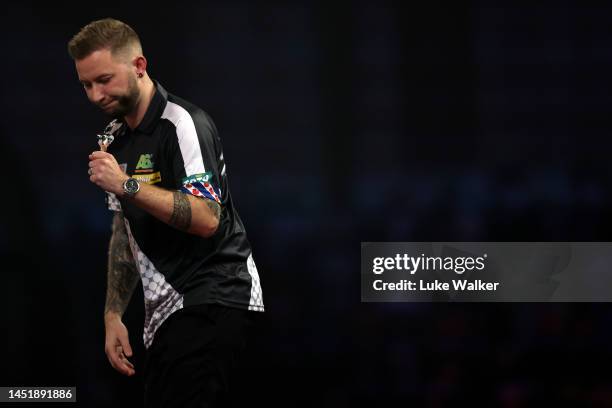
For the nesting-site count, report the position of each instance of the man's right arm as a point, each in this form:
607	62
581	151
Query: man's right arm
122	273
122	279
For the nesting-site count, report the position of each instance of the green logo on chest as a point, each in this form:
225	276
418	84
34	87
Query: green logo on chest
145	162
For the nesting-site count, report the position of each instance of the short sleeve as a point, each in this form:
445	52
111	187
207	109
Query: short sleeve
195	162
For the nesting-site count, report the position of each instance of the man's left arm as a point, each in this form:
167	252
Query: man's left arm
198	216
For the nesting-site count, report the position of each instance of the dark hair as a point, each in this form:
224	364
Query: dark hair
100	34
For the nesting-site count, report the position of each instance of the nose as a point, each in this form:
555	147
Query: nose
96	94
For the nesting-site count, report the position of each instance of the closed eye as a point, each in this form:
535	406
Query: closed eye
100	80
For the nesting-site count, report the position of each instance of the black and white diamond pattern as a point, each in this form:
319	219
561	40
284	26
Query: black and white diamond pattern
256	302
112	202
161	299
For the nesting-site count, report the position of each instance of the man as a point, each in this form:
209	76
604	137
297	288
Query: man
174	226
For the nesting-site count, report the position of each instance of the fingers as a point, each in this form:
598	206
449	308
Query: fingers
99	155
117	340
125	361
127	367
98	165
119	361
102	159
99	161
125	344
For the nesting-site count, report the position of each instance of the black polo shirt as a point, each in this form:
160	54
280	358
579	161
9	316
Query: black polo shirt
177	147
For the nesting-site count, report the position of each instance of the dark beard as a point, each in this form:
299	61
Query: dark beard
126	103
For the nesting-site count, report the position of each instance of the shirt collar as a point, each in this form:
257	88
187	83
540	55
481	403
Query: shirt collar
154	111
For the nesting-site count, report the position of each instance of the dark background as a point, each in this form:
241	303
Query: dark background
341	123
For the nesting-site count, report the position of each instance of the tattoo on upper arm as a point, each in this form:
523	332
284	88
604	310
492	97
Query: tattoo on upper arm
122	273
215	208
181	214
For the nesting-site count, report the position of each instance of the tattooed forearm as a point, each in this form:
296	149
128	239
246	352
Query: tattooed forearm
215	208
181	214
122	274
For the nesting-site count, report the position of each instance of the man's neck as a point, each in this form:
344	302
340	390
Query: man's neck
146	95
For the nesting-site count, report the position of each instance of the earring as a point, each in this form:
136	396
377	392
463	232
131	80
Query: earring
140	75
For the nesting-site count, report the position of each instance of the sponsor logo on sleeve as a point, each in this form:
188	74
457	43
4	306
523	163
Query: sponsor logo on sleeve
198	178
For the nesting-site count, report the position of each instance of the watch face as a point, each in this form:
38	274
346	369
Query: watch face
131	186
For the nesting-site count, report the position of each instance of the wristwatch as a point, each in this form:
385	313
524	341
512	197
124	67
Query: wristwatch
130	187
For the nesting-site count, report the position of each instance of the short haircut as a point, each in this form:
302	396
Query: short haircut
107	33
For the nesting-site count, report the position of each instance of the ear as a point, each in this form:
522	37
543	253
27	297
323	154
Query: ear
140	65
